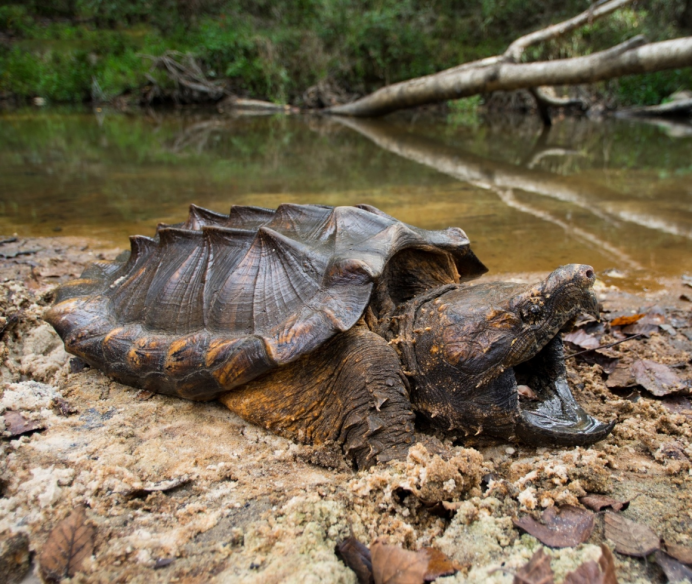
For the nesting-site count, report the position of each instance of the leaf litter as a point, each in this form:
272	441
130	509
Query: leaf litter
566	526
389	564
630	538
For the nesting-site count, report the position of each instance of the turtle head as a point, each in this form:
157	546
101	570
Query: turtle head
490	358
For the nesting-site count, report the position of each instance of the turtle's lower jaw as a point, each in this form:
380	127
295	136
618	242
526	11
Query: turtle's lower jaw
551	414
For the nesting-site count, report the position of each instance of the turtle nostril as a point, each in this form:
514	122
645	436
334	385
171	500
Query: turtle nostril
589	274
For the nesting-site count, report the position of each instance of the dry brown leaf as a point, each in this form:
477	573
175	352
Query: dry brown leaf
602	572
607	565
68	545
356	556
621	377
675	571
536	571
567	526
17	425
395	565
439	564
630	538
626	320
678	404
606	362
657	378
641	328
681	553
600	502
582	339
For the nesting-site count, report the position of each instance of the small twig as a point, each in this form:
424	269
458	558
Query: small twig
604	346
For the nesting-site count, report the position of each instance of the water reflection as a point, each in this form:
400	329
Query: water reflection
615	194
608	208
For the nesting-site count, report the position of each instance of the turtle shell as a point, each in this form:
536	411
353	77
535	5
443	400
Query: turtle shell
212	303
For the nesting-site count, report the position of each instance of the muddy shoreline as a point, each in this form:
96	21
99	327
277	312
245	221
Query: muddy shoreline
189	492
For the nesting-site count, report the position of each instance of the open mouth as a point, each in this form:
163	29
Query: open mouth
548	412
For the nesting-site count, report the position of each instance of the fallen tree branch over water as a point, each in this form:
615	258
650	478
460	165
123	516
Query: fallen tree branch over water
503	72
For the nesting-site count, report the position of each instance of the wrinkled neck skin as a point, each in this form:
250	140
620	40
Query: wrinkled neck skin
471	347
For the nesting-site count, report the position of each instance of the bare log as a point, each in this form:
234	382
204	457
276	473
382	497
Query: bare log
630	57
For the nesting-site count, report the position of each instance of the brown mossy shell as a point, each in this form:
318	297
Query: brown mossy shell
213	303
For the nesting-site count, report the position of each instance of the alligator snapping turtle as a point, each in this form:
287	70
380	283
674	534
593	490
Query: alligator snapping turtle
324	323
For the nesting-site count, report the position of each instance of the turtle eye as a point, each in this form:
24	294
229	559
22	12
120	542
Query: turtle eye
532	313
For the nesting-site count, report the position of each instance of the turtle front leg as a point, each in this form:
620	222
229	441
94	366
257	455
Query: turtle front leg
350	391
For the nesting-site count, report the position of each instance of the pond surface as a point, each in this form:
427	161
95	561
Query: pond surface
614	194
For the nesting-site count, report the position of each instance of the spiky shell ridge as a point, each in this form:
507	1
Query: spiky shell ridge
213	303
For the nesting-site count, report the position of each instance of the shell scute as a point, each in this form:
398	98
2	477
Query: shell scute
148	353
174	300
244	361
187	354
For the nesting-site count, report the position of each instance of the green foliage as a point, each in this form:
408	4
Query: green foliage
276	49
652	88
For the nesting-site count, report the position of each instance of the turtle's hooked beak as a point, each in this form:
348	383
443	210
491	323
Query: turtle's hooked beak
502	367
548	411
550	414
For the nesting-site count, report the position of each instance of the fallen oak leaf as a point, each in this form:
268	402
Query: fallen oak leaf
627	320
582	339
395	565
657	378
606	362
674	570
439	564
600	502
356	556
17	425
69	543
567	526
621	377
630	538
536	571
678	404
591	572
681	553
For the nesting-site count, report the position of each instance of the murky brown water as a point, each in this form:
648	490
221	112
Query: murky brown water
614	194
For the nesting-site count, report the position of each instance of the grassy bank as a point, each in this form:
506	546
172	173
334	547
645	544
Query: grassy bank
77	50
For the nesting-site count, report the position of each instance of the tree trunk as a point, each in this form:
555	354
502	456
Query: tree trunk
632	57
